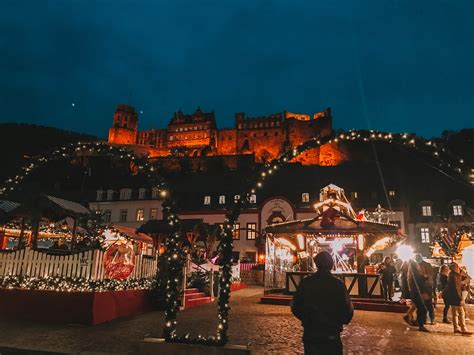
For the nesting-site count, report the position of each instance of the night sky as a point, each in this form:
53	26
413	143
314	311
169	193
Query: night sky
389	65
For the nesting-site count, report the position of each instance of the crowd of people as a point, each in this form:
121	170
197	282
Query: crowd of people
421	288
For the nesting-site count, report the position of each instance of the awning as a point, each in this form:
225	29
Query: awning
133	234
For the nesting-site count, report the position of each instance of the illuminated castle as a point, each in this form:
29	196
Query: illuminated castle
197	135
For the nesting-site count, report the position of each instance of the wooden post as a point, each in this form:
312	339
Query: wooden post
35	222
74	229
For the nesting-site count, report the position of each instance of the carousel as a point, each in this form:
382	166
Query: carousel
350	237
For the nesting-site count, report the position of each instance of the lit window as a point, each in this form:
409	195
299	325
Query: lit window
457	210
425	235
354	195
141	194
251	231
207	200
305	197
153	213
100	193
123	215
253	198
221	199
391	193
426	210
236	231
236	198
106	216
140	214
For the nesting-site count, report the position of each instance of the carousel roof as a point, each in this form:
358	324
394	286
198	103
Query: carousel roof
331	221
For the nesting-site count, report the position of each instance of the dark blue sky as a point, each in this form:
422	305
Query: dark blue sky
391	65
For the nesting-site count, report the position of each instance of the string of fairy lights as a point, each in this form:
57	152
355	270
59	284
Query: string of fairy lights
74	284
445	161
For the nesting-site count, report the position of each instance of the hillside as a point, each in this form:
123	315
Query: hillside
20	141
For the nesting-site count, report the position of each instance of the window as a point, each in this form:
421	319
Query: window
236	198
426	210
391	193
140	215
457	210
207	200
125	194
123	215
106	216
253	198
305	197
235	256
221	200
141	194
236	231
153	213
155	192
251	231
110	195
100	194
251	256
171	138
354	195
425	235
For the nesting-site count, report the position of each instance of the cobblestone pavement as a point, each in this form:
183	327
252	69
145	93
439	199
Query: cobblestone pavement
271	330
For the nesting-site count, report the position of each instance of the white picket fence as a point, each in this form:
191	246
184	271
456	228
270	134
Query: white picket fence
89	265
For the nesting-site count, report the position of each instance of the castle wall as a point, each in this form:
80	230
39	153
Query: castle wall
122	136
227	142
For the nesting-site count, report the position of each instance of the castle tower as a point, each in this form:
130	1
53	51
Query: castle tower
125	125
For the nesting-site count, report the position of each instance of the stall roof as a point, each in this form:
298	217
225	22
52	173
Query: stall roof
159	226
8	206
341	224
132	233
69	206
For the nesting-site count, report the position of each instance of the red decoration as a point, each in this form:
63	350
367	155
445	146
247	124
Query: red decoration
119	261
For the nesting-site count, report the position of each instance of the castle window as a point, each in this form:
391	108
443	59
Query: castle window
171	138
265	134
221	199
100	194
254	135
426	211
425	235
251	231
236	198
278	124
253	198
240	126
276	134
140	215
354	195
207	200
305	197
230	138
457	210
272	124
391	193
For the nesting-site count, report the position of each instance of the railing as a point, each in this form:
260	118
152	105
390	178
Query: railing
88	264
188	269
246	274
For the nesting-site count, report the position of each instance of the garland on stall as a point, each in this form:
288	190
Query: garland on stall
174	255
74	284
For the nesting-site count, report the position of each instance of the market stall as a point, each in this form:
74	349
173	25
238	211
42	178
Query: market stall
336	228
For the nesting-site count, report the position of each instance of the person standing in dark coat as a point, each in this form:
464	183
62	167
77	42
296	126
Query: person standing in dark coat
442	283
453	296
387	272
322	304
420	291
